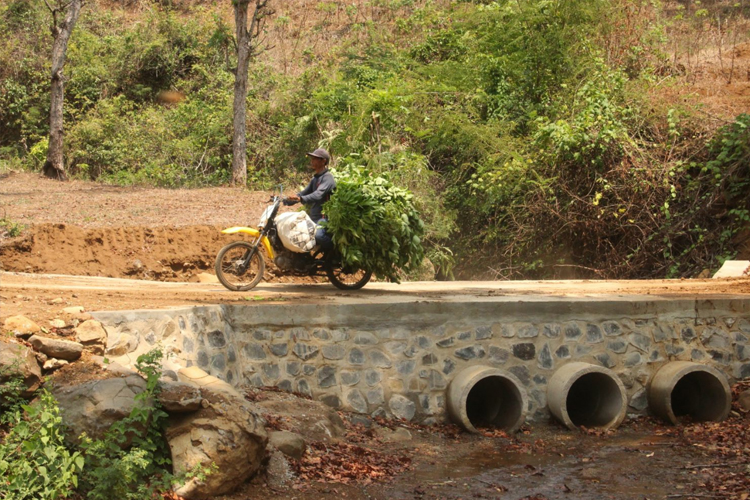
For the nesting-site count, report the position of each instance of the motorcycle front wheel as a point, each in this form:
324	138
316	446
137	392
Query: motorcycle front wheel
345	279
233	269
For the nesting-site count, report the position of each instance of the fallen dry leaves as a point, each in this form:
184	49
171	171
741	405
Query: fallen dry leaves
726	446
346	463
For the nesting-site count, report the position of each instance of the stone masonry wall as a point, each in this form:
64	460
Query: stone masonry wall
398	359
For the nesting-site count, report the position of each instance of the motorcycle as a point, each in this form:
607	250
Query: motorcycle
240	265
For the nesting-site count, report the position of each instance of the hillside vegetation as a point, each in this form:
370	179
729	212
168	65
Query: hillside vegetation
543	138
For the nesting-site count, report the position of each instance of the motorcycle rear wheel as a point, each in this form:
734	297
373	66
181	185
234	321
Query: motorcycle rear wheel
345	279
233	272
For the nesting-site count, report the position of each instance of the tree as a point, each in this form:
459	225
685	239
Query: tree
54	167
247	43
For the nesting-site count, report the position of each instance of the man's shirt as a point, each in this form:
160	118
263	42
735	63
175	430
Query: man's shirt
316	193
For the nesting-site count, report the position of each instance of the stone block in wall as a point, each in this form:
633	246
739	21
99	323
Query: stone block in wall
448	366
544	361
402	407
687	334
498	355
429	359
254	351
551	331
612	328
572	332
349	378
522	373
594	334
379	359
292	368
633	359
471	352
356	357
356	401
483	333
527	331
395	348
322	334
450	341
279	350
333	351
365	338
562	352
305	351
405	367
524	350
327	377
640	342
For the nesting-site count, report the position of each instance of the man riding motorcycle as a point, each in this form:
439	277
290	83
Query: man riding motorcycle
317	192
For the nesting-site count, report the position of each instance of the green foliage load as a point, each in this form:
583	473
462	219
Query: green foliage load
374	224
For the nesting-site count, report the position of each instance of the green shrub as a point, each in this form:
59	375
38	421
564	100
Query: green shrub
34	462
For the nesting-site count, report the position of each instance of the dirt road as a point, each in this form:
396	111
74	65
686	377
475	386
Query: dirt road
41	297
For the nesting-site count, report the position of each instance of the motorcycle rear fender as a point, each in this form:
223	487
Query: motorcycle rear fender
254	233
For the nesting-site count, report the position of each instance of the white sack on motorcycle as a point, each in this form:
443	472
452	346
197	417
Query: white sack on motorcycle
296	230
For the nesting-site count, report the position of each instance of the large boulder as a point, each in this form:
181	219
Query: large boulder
92	407
92	336
21	326
56	348
17	360
180	397
290	444
227	432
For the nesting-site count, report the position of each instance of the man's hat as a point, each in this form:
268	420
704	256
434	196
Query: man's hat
321	153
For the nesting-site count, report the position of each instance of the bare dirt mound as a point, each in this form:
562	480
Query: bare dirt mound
160	253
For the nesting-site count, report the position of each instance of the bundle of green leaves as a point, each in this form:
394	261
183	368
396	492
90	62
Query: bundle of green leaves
374	224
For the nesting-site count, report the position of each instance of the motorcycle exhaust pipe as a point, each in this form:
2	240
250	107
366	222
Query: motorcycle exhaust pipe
480	396
686	390
582	394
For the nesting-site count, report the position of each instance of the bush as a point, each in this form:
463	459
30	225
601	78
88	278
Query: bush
34	462
374	225
131	462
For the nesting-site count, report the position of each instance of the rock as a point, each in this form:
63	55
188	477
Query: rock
207	278
203	380
278	471
313	420
744	400
92	407
401	407
21	326
92	335
179	397
55	348
54	364
123	343
397	435
228	433
19	360
57	323
73	310
56	301
290	444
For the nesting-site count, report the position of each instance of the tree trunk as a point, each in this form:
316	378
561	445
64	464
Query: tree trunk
54	167
244	50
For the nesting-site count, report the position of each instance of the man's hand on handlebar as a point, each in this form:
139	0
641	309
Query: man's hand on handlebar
291	200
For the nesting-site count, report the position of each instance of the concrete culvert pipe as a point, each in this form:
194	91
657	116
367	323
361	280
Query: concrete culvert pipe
685	390
582	394
480	396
